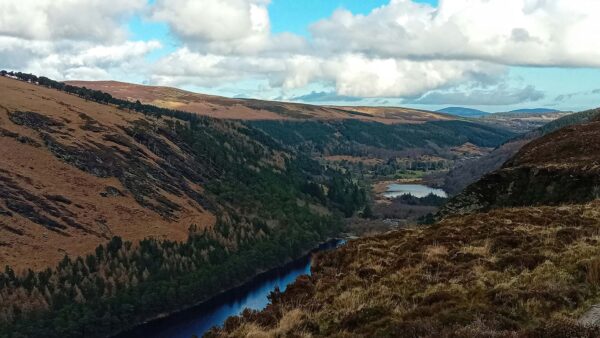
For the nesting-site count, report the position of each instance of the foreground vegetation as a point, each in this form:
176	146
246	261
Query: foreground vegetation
523	272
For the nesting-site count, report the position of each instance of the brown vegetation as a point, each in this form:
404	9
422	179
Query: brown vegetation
75	173
246	109
507	273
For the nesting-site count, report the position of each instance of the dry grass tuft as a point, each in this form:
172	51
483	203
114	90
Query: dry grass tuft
593	272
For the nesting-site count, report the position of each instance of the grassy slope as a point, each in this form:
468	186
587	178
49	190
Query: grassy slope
508	271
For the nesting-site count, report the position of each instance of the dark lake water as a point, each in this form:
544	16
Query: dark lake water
418	190
253	295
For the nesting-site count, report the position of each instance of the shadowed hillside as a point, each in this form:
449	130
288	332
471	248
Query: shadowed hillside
326	130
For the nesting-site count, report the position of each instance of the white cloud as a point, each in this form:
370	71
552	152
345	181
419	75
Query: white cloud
402	49
74	60
498	95
212	20
515	32
224	26
350	74
71	39
186	67
97	20
398	50
357	75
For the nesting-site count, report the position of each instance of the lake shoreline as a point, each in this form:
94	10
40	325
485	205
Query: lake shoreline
332	242
381	187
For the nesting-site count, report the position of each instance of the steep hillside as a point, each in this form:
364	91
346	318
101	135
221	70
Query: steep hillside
113	212
528	266
326	130
470	171
75	173
248	109
360	138
557	168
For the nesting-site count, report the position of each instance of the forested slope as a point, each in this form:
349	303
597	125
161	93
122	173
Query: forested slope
360	138
113	212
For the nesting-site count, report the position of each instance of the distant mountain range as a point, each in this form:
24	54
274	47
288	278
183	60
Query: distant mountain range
535	111
470	112
464	112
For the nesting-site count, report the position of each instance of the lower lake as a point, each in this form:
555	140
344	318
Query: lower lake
252	295
418	190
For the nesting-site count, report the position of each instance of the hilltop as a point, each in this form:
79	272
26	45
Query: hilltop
251	109
535	110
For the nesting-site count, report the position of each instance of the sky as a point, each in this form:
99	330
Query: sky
493	55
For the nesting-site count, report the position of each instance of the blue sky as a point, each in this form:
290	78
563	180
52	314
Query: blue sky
295	16
486	54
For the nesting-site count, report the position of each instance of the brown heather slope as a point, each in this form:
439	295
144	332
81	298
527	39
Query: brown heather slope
248	109
523	260
73	174
523	272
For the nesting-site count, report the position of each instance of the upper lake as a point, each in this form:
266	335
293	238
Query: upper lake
418	190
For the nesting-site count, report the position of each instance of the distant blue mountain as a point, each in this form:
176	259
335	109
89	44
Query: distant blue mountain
535	111
464	112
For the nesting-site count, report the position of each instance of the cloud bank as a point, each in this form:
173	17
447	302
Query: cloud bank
456	53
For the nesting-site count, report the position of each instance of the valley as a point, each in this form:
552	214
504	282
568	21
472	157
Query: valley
302	169
142	211
153	208
513	255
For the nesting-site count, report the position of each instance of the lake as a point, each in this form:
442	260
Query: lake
252	295
418	190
